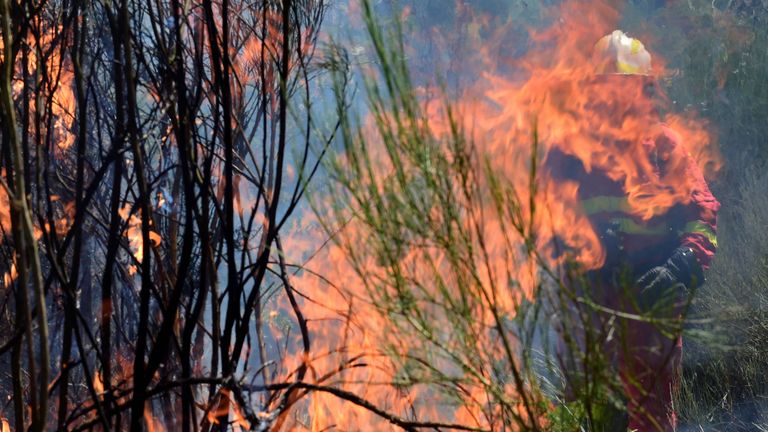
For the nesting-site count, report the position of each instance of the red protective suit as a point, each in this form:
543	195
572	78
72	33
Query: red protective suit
648	362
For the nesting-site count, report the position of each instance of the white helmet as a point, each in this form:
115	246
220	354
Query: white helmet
618	53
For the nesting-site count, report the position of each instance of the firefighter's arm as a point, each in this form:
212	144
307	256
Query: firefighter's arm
700	229
697	233
697	224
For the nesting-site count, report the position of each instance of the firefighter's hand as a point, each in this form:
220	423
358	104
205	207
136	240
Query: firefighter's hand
671	284
658	287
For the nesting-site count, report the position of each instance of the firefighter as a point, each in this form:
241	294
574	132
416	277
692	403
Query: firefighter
661	259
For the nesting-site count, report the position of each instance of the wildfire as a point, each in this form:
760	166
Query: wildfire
45	60
550	99
377	318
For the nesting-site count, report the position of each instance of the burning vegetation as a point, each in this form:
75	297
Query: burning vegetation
314	215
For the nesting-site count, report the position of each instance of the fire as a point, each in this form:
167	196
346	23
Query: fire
62	224
222	407
605	121
98	383
517	113
10	275
153	423
5	208
45	58
133	233
5	229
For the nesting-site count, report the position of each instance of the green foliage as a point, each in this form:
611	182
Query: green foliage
417	202
415	198
725	381
607	417
717	53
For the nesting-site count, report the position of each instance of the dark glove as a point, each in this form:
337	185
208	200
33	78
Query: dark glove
672	282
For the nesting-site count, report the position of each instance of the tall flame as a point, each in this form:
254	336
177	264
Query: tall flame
549	99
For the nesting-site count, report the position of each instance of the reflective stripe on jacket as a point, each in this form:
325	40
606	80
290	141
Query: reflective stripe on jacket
643	243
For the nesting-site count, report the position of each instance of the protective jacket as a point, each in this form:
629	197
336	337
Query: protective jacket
648	361
638	242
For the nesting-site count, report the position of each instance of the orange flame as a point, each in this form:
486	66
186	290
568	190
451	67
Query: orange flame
10	275
98	384
59	69
133	233
222	408
553	93
153	424
5	208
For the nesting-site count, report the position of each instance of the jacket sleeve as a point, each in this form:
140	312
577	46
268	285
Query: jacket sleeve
700	231
699	216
